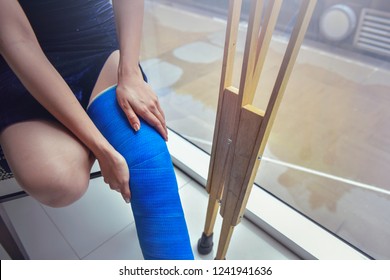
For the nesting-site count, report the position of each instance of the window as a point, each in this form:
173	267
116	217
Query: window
328	155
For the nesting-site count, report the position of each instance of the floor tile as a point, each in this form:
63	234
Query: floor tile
39	235
181	178
122	246
95	218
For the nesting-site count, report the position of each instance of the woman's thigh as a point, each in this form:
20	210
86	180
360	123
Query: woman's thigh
108	75
47	160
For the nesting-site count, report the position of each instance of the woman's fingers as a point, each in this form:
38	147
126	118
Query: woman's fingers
116	174
158	123
125	191
130	114
122	188
161	117
151	113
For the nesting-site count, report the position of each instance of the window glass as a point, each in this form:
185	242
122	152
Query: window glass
328	153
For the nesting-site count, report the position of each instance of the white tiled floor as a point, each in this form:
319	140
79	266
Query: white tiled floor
100	226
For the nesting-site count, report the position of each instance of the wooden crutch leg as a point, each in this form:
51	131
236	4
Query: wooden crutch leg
223	129
253	127
216	181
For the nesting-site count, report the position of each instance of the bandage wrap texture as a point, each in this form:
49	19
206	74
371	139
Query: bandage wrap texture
155	201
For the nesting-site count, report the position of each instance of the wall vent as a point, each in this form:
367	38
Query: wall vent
373	32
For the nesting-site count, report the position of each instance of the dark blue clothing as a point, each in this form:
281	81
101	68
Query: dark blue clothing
77	37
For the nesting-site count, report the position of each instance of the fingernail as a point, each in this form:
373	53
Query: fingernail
136	127
126	199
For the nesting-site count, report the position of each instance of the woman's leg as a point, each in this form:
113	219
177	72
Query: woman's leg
47	161
108	75
155	200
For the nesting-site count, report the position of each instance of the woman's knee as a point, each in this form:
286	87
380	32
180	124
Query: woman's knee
57	187
53	166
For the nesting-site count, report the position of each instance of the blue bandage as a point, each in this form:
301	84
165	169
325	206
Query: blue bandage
155	201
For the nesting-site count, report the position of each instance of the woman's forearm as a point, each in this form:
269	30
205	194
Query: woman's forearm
129	21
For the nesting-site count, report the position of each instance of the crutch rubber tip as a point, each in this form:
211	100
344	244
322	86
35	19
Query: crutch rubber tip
205	244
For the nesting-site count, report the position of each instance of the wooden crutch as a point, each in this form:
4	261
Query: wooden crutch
241	129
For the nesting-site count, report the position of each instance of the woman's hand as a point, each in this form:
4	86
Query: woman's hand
115	172
134	95
136	98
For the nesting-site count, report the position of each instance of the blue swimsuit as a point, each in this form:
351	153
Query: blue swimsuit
77	37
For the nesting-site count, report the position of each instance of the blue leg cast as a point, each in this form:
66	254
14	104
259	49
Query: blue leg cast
155	201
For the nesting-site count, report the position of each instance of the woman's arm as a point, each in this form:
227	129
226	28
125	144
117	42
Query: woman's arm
134	95
21	50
